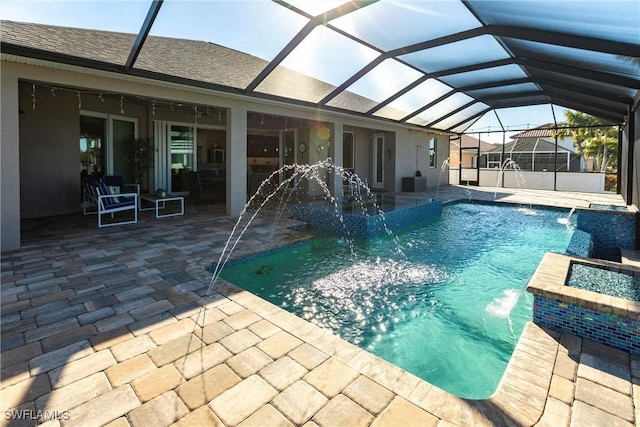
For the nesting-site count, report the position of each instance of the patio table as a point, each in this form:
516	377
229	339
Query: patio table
160	204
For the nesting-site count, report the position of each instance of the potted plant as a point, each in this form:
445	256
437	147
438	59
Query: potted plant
139	154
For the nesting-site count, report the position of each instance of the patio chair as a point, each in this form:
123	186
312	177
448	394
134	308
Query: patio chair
117	181
350	184
97	193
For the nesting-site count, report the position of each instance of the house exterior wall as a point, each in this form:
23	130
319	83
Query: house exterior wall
40	148
410	156
49	154
9	161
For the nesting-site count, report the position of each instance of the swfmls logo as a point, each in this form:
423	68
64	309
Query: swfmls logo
41	416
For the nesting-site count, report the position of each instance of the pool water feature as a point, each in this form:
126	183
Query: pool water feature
604	281
442	299
576	296
368	216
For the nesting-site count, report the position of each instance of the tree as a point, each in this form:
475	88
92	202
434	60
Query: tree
591	141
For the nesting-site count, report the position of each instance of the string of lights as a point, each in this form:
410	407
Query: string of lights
198	109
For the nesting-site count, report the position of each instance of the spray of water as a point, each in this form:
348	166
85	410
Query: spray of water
511	165
284	191
444	168
567	221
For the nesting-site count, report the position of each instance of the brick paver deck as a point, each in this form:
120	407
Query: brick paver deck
118	327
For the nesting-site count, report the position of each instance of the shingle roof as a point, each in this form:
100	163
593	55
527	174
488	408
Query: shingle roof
486	56
467	141
96	45
186	59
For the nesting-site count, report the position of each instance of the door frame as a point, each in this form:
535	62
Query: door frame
281	149
108	149
378	160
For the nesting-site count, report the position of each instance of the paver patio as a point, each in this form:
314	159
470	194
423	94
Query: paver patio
119	327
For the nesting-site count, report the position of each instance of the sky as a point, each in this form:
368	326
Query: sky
261	32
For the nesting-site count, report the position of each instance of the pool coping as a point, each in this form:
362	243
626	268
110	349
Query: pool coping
519	399
551	275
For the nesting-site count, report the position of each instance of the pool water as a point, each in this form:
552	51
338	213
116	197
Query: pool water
443	299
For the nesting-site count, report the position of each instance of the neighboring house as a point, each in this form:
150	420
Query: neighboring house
69	106
469	148
535	150
464	152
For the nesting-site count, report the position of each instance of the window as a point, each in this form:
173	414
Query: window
433	143
348	150
494	161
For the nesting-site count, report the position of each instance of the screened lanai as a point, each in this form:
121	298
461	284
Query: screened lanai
432	64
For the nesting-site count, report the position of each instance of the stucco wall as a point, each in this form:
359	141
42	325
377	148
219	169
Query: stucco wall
49	153
9	161
412	151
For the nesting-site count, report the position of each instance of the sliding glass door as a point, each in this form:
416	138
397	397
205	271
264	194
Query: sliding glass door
182	143
104	142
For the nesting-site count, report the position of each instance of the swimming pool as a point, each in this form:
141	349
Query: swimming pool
443	299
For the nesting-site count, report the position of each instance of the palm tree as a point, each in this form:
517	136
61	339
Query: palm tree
591	140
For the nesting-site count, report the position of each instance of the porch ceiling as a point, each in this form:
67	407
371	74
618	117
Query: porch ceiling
431	64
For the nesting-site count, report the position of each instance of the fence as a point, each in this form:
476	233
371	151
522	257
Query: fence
586	182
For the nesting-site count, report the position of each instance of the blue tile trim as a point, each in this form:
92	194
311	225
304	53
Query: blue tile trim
581	244
262	254
364	226
609	329
610	230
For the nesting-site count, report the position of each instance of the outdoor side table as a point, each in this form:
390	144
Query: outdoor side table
161	204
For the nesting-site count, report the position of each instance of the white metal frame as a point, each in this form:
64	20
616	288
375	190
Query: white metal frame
162	145
374	181
109	118
104	209
281	153
160	203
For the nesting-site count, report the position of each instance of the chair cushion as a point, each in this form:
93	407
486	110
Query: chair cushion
109	201
114	181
